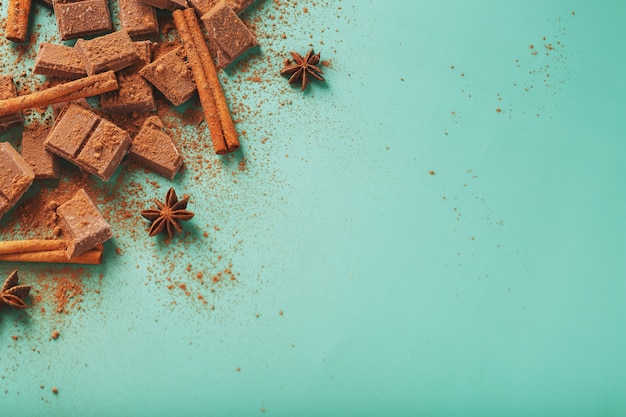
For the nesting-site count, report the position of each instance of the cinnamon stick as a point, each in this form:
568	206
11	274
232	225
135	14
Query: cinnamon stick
91	257
35	245
81	88
210	72
204	90
17	20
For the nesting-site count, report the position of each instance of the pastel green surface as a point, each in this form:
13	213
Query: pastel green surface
365	284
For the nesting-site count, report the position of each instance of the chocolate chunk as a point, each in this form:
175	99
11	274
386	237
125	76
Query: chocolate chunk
155	149
44	163
204	6
170	5
82	18
8	90
15	177
57	108
84	138
138	19
59	61
84	224
109	52
134	93
170	75
228	36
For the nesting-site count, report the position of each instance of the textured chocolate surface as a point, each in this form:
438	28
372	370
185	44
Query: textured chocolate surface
15	177
228	36
155	149
109	52
205	6
8	90
84	223
170	5
82	18
171	76
138	19
44	163
70	131
59	61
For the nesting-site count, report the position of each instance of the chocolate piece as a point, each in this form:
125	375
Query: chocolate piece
138	19
155	149
82	18
8	90
170	5
84	223
134	93
15	177
57	108
109	52
84	138
228	36
170	75
204	6
59	61
44	163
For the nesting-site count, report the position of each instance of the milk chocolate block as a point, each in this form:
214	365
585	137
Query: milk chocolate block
138	19
59	61
170	5
70	131
170	75
82	18
8	90
229	37
15	177
134	93
204	6
84	224
109	52
155	149
44	163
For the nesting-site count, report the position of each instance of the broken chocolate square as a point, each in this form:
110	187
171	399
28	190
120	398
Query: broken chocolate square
70	131
170	5
109	52
59	61
84	223
170	75
134	93
8	90
204	6
82	18
16	176
155	149
138	19
228	36
44	163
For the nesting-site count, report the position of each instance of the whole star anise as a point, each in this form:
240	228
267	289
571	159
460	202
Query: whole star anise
167	216
302	68
11	294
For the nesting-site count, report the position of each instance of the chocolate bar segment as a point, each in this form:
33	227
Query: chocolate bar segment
15	177
204	6
134	93
138	19
82	18
59	61
228	36
155	149
170	75
109	52
70	131
8	90
84	223
44	163
170	5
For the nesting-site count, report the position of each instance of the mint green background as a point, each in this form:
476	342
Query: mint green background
506	297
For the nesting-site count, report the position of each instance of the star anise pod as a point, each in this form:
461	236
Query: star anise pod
12	294
168	215
301	68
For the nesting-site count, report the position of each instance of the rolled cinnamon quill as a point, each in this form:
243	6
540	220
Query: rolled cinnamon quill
17	20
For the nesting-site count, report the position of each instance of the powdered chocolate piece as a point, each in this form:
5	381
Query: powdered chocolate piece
138	19
204	6
84	223
170	74
82	18
155	149
229	37
44	163
109	52
58	108
70	131
170	5
59	61
15	177
8	90
134	93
